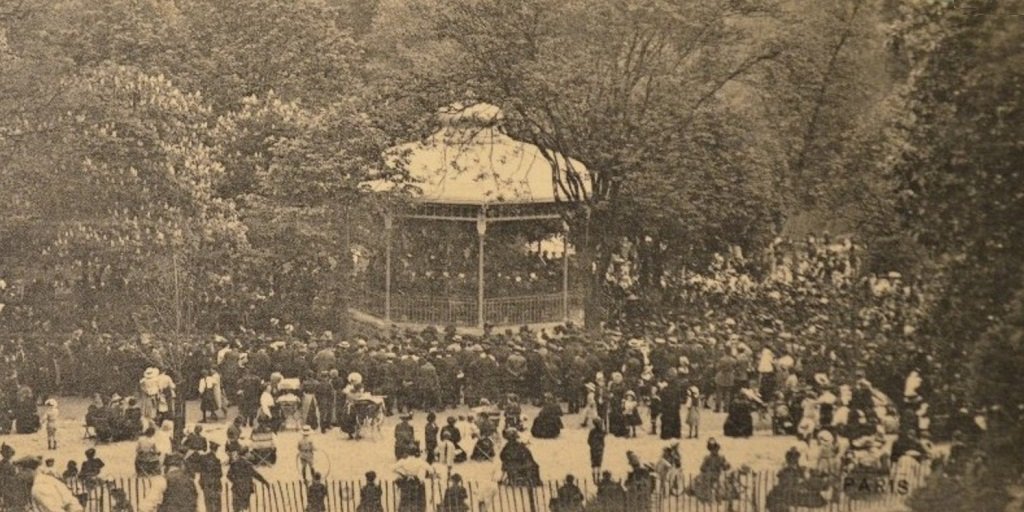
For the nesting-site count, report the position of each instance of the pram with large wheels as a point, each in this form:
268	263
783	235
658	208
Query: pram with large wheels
368	414
290	404
263	448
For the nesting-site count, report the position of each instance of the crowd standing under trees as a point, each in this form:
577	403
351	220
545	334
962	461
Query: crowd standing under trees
814	378
902	118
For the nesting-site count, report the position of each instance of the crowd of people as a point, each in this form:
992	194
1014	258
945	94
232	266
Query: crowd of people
804	347
513	268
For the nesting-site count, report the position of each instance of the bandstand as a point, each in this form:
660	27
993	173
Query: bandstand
472	180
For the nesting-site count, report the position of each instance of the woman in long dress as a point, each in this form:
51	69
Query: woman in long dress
671	401
616	417
209	394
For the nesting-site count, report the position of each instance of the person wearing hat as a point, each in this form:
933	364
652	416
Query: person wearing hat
693	412
452	430
17	492
430	436
248	391
370	495
610	494
176	491
50	419
590	412
92	466
548	424
405	437
707	484
792	489
316	494
8	472
242	476
455	496
307	453
517	462
569	498
639	483
210	473
149	388
47	492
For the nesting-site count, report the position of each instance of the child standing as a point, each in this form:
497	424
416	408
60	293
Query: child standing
595	439
655	408
693	412
316	495
446	452
306	453
631	412
370	494
71	472
430	437
52	415
590	407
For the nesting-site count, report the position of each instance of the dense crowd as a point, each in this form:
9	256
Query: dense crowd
804	346
431	271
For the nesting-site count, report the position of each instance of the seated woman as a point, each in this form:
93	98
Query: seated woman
147	455
26	417
484	449
514	413
549	421
264	448
130	421
99	419
517	462
739	422
794	488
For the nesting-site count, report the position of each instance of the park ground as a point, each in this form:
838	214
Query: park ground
344	459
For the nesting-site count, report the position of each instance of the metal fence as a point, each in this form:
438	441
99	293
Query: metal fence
848	493
462	311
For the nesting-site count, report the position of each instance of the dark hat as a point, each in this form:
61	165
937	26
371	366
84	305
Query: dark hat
6	451
792	456
713	445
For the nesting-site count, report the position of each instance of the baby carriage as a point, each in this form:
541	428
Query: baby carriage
147	463
263	449
514	414
783	422
368	412
289	405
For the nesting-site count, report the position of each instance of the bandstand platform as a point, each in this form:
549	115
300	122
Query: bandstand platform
470	180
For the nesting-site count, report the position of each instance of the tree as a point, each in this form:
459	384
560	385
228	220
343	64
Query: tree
294	173
252	47
616	85
955	151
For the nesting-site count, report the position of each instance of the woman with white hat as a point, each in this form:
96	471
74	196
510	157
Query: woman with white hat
590	412
51	417
149	388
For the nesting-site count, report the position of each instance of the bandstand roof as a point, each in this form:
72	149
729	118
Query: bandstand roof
469	160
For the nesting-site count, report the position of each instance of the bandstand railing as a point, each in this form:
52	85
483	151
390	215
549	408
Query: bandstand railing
463	311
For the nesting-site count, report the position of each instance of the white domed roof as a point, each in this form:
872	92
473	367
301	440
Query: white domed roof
470	160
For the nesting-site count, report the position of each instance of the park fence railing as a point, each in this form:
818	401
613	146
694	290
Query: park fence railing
748	492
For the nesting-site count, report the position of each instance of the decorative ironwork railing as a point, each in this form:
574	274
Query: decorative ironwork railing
464	312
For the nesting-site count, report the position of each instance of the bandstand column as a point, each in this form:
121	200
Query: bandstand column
565	271
387	266
481	231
